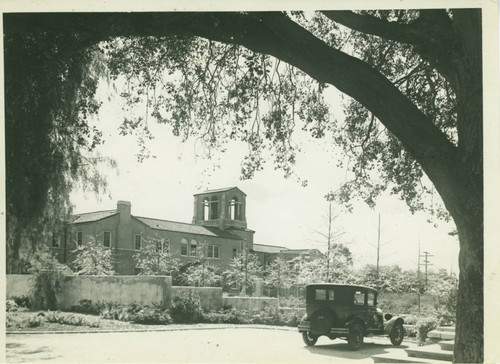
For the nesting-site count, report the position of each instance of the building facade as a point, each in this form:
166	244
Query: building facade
219	224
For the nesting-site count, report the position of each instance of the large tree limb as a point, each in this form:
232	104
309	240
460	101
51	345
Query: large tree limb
431	34
277	35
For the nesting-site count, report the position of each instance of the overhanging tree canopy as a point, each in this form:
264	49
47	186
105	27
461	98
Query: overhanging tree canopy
423	83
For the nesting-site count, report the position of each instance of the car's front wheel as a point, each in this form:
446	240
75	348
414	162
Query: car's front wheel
309	338
355	337
397	335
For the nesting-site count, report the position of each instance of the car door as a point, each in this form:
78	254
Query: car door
372	316
359	303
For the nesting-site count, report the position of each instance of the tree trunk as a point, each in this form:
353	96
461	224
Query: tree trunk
469	335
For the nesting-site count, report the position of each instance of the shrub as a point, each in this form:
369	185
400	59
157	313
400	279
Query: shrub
49	274
424	326
151	316
88	307
22	301
11	306
114	311
186	308
292	302
34	321
71	319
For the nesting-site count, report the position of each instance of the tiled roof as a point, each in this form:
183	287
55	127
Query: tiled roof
294	251
301	251
92	216
186	228
219	190
263	248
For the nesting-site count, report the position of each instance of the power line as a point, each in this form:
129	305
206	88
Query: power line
426	263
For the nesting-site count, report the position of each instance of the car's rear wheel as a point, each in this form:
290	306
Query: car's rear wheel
355	337
322	322
309	338
397	334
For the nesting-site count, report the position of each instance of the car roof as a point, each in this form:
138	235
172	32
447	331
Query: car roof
355	286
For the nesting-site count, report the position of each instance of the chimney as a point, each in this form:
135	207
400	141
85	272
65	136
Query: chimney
124	208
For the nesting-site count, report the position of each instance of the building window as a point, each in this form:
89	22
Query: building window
193	247
214	251
107	239
184	247
138	242
235	209
214	208
235	252
206	209
162	246
79	237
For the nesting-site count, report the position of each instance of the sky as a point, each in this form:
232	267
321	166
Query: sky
281	211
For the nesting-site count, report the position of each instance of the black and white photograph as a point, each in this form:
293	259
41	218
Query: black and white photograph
287	182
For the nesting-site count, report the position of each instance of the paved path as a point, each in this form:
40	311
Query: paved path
229	345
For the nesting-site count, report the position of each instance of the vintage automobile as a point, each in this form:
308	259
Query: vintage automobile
348	312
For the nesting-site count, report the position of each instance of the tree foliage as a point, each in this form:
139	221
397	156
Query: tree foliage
48	276
155	258
242	271
201	272
278	274
49	94
93	258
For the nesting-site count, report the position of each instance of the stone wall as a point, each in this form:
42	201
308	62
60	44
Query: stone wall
19	285
210	297
250	303
117	289
142	290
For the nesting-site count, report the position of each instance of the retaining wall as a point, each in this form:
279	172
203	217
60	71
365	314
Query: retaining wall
210	297
143	290
250	303
19	285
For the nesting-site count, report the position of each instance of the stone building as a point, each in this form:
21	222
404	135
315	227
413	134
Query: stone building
219	222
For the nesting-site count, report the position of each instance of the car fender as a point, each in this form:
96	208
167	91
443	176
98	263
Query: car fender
355	320
393	321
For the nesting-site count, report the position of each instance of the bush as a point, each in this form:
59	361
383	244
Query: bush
295	302
114	311
186	308
34	321
88	307
20	321
49	274
151	316
424	326
71	319
11	306
22	301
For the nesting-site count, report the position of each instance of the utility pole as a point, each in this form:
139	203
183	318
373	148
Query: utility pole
419	290
378	246
426	263
329	239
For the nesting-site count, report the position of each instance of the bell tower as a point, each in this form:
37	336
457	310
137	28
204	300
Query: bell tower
223	208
